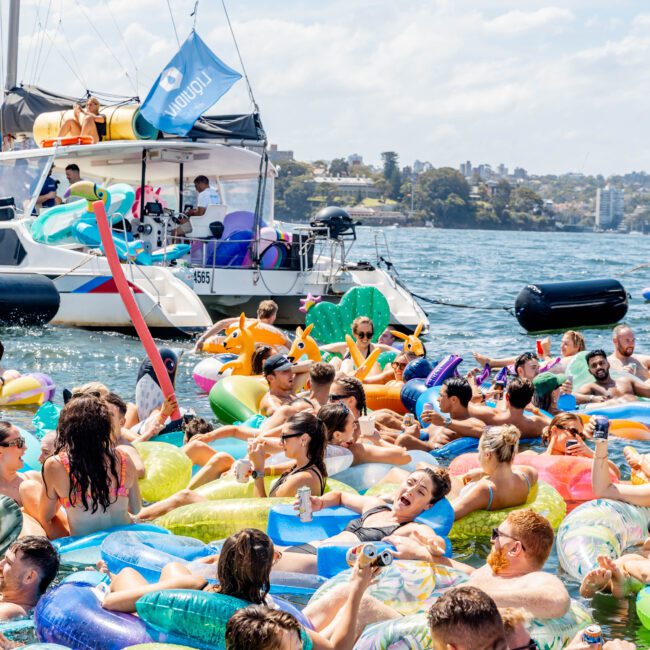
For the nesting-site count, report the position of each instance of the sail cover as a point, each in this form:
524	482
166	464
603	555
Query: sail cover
22	104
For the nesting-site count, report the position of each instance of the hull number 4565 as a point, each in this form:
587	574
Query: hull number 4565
202	277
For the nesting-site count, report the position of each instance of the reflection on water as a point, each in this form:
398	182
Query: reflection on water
471	267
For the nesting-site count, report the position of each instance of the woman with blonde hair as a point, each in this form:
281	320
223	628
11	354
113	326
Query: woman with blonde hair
495	485
86	122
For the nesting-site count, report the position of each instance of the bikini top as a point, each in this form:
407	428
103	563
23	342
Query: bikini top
365	356
119	491
295	470
471	485
371	533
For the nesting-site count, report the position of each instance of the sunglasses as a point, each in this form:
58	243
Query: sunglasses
496	533
397	364
333	397
19	443
531	645
290	435
365	335
571	430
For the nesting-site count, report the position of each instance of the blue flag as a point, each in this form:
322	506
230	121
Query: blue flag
192	81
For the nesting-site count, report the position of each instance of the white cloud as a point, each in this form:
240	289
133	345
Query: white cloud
517	22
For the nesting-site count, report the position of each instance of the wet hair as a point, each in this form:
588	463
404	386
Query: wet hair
522	358
534	532
2	350
459	387
334	416
362	320
464	614
559	421
258	626
267	308
352	387
244	568
73	167
313	426
520	392
502	442
201	178
40	554
5	429
261	354
115	400
321	374
577	339
194	427
84	434
439	476
593	354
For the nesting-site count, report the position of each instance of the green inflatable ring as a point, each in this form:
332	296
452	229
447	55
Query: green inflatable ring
168	470
543	498
235	399
386	358
212	520
332	322
11	522
227	487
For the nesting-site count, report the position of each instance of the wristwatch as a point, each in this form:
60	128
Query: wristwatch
447	421
255	474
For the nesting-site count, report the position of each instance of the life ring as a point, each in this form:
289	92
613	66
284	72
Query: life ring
168	470
67	142
237	398
34	388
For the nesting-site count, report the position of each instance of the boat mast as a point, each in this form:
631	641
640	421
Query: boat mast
12	45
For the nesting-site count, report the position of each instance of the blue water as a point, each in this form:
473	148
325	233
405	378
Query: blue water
480	268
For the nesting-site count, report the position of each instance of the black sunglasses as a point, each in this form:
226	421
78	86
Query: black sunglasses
496	533
365	335
571	430
531	645
19	443
290	435
334	397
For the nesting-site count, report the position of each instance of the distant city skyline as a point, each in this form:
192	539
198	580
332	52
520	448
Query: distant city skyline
553	88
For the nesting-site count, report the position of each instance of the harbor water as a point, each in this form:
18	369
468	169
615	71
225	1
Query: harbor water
471	267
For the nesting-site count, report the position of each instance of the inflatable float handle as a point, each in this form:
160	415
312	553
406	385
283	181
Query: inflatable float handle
131	305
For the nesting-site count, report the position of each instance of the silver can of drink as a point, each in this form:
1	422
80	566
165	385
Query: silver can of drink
593	635
385	558
367	554
242	469
601	432
304	504
408	420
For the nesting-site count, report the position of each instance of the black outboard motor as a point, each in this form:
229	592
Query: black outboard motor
338	221
565	305
27	299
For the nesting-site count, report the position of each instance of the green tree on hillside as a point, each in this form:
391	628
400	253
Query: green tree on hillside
392	174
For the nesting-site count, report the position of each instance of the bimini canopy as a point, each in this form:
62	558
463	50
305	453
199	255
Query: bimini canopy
23	104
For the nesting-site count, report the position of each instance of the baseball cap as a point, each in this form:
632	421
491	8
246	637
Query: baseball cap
547	382
276	363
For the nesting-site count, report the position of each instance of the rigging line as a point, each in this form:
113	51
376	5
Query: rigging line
126	45
434	301
39	52
46	58
195	13
103	40
80	76
74	72
26	65
241	61
171	15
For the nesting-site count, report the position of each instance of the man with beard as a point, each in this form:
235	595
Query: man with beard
26	571
623	357
278	372
605	387
512	575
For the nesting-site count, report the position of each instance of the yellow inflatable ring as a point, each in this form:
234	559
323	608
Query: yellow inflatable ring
168	470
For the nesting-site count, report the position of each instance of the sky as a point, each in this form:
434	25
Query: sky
549	87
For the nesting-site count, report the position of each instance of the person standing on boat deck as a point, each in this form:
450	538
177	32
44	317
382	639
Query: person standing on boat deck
86	122
47	197
205	196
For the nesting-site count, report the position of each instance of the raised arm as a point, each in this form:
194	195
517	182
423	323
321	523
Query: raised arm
603	488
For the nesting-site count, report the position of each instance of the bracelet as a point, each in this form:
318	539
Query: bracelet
600	457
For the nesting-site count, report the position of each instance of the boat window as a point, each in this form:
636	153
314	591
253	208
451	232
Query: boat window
241	194
12	252
19	178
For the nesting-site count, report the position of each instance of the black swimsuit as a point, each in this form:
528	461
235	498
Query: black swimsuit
371	533
306	468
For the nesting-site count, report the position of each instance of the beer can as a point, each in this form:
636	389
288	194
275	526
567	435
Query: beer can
367	554
428	406
304	504
385	558
408	420
593	635
601	432
242	467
